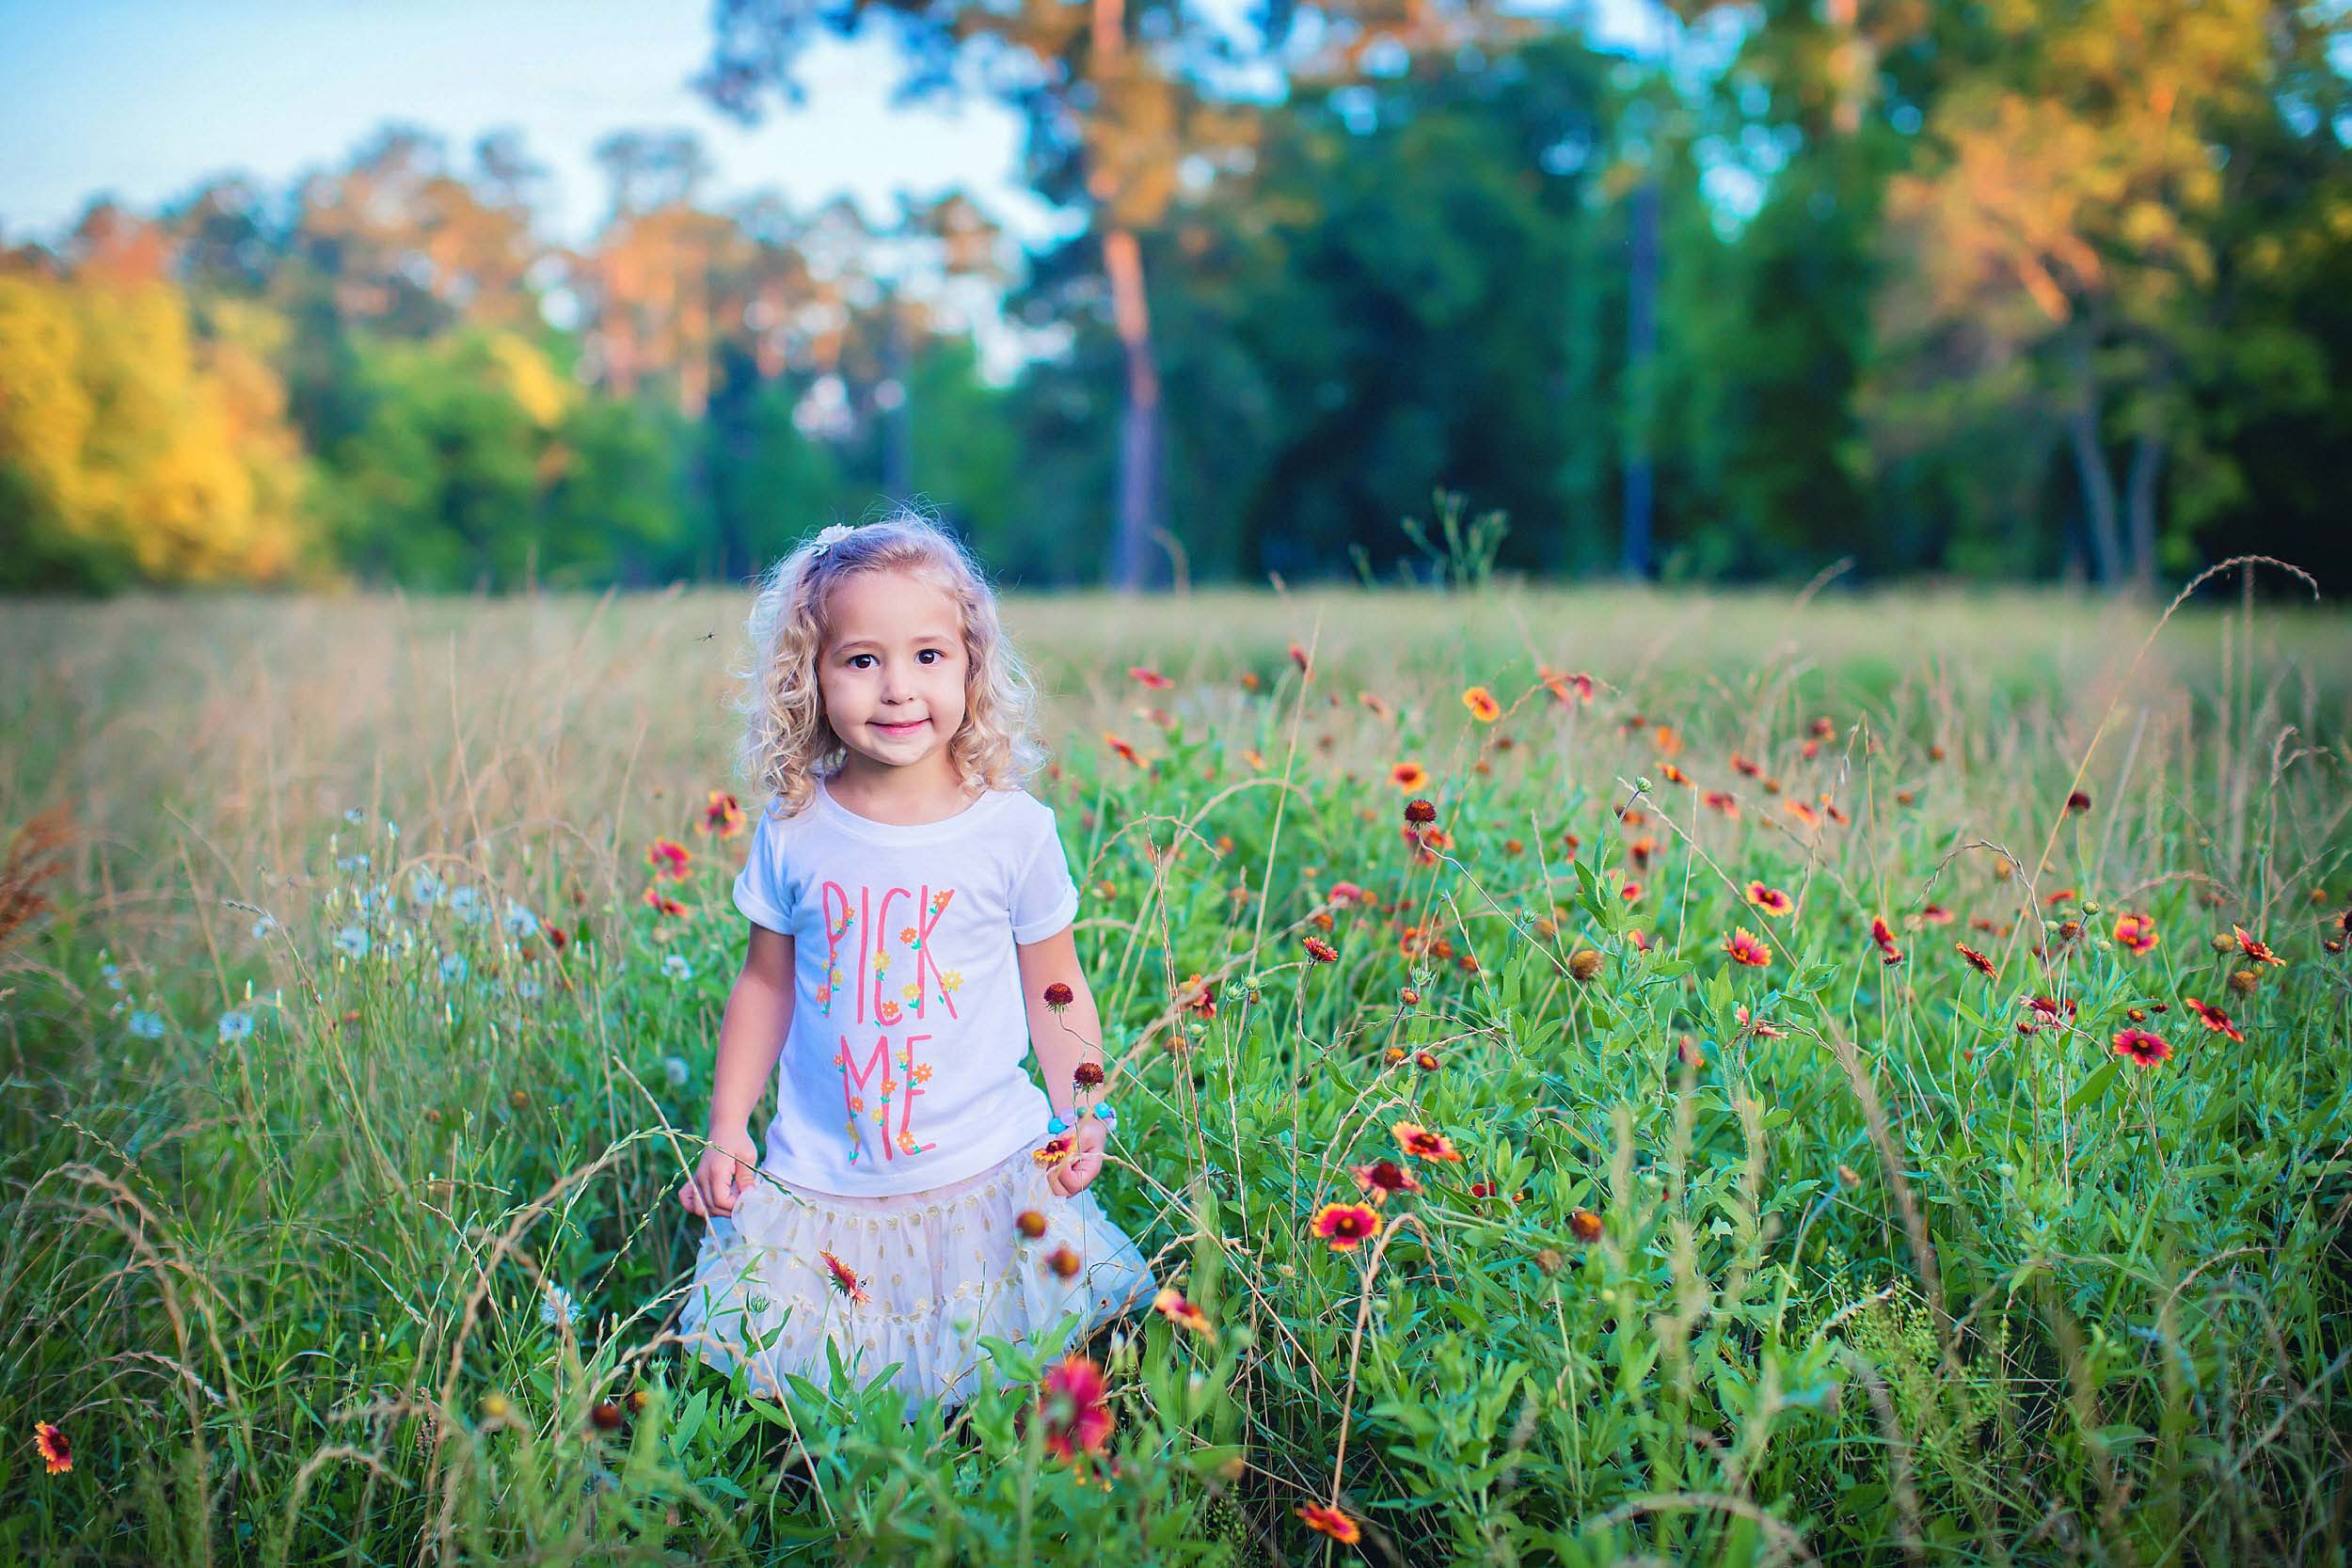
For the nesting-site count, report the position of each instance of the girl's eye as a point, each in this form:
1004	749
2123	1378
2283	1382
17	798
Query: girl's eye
854	657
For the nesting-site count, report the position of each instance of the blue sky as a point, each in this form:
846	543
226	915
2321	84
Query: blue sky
144	99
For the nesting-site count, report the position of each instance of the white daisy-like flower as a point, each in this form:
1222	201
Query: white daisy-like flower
557	1305
264	926
675	1070
425	888
147	1025
352	941
466	904
676	968
236	1025
521	922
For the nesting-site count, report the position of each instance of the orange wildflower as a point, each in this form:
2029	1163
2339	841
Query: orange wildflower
1770	899
844	1279
1345	1225
1747	948
2135	933
1422	1143
1481	704
1331	1522
1409	776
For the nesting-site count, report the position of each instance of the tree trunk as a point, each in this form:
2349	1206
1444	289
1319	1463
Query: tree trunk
1641	331
2091	471
1123	262
2140	502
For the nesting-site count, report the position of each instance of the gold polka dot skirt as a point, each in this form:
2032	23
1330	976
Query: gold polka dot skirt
939	1269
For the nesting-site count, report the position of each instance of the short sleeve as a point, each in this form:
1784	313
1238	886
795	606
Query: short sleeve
1044	899
758	889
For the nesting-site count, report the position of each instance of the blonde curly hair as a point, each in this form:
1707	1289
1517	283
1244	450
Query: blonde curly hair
787	742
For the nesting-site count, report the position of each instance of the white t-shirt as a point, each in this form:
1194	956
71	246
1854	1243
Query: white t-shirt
916	1077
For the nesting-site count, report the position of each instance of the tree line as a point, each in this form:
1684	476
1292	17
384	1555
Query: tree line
2025	291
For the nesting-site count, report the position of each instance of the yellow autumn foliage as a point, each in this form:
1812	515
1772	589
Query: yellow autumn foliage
140	447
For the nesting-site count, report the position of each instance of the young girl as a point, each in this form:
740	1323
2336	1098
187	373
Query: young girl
911	938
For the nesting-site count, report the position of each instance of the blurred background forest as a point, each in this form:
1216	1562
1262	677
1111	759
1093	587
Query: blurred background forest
2002	290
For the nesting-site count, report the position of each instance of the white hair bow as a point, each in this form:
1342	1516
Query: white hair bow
828	534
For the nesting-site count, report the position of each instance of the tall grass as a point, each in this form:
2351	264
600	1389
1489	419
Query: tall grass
294	1153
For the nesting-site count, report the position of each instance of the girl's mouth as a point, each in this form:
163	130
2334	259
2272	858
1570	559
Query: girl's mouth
907	728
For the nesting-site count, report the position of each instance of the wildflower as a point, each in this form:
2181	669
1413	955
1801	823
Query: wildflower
1756	1026
1822	728
2140	1046
2243	981
466	904
352	862
668	858
1320	951
1409	776
2213	1018
1584	1226
1030	1224
1052	1152
1373	702
1802	812
2077	802
1585	964
722	815
1978	962
1089	1075
675	1070
1747	948
1422	1143
2135	933
1631	892
1481	704
147	1025
605	1416
1427	1060
521	922
1331	1522
1170	1304
1383	1177
676	968
1298	657
1345	1225
1935	914
57	1453
1077	1417
236	1025
656	899
1883	935
1125	750
113	975
1058	996
1741	764
2048	1007
556	1305
1720	800
844	1279
1064	1263
1150	677
1198	996
261	927
1675	775
1419	811
1770	899
2253	949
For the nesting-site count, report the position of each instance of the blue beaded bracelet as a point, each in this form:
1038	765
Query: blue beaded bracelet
1057	1127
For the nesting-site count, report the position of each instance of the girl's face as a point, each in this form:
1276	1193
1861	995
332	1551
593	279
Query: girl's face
892	670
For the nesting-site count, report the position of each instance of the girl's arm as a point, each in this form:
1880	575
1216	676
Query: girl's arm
752	1035
1062	1041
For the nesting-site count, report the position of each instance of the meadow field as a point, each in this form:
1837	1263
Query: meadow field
1850	1078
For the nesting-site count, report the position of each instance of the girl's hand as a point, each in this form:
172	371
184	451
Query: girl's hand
724	1174
1086	1158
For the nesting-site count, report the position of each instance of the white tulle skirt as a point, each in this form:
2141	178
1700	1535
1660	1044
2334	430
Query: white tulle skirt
939	1268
